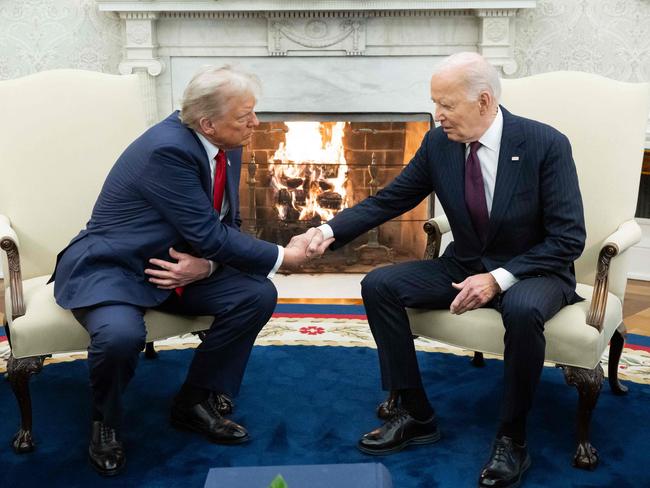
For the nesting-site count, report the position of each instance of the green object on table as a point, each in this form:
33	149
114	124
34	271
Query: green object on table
278	482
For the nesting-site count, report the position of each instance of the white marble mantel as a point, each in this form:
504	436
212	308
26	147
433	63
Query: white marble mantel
312	55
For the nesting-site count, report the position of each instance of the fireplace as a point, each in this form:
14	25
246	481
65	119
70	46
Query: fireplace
301	169
336	57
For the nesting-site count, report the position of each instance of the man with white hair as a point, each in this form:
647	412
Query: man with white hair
509	188
164	234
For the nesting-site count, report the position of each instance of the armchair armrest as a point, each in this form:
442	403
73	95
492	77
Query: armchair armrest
628	234
435	228
9	244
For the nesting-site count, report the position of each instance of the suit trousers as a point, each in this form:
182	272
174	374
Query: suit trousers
427	284
241	305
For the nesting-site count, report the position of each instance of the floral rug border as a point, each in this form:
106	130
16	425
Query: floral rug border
347	332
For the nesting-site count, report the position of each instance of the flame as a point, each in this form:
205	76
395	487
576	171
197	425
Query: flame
310	164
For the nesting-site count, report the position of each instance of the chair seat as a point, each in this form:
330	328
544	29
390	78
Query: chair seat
569	340
47	328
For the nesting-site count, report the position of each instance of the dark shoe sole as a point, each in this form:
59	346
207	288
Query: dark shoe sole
107	472
182	425
425	439
517	482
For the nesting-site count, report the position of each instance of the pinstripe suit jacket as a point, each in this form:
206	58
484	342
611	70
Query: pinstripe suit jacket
536	223
157	195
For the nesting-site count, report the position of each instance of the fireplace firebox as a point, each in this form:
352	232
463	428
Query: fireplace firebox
301	169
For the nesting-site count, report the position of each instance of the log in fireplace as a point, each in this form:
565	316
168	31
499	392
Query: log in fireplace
302	169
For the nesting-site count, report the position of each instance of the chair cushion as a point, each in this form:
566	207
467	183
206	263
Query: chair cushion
569	340
47	328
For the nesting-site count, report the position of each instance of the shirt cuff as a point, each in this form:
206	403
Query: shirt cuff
213	267
326	230
278	263
504	278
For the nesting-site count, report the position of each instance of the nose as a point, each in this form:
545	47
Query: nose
438	114
255	121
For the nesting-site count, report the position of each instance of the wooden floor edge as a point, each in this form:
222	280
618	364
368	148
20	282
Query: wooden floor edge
323	301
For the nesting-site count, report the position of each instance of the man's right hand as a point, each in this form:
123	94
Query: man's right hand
295	253
317	242
187	269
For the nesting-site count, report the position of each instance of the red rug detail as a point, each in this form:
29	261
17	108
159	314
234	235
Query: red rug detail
321	315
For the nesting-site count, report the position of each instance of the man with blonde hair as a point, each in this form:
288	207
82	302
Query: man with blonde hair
164	234
509	188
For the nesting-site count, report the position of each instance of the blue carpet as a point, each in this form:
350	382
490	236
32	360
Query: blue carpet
308	405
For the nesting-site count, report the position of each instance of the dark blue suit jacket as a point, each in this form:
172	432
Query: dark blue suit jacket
536	223
157	195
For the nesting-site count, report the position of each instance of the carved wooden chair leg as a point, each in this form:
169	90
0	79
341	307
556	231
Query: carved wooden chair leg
150	351
588	382
386	409
19	372
477	360
615	349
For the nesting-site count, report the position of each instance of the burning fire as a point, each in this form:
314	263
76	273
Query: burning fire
309	172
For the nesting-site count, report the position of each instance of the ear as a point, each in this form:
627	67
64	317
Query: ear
484	102
206	126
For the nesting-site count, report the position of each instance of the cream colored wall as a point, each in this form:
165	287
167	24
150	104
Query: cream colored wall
607	37
37	35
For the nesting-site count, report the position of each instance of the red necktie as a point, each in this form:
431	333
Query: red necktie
219	188
475	192
219	179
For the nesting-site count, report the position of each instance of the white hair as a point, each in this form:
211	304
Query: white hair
478	74
210	90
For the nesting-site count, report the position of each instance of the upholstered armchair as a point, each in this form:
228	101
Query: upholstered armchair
605	121
61	133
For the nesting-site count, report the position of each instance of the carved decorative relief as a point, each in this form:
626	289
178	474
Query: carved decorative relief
316	34
141	44
496	30
497	38
137	34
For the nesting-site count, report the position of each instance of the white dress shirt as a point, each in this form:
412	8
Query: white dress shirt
212	151
488	155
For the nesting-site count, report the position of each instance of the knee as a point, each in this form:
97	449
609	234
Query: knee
376	283
523	317
121	344
265	296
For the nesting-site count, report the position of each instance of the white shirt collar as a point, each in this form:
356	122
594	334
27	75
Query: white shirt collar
491	138
210	149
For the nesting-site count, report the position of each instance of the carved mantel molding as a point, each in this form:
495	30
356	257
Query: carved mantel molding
316	27
140	43
156	32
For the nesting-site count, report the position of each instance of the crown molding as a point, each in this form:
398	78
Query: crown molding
310	5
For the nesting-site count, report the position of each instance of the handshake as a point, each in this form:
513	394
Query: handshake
303	247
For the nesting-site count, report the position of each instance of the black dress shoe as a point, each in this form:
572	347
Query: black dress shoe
222	402
507	464
399	431
205	419
105	451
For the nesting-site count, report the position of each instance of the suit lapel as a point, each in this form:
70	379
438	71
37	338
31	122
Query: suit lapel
508	169
206	173
454	178
199	150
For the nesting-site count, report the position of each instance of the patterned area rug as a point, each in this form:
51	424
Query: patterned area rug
351	330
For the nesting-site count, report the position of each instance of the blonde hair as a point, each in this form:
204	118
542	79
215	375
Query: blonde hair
478	74
210	90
